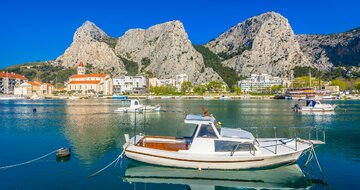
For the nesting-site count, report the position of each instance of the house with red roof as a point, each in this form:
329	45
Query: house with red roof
8	81
89	83
34	89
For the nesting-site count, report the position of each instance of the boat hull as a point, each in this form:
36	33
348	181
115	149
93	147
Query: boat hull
202	161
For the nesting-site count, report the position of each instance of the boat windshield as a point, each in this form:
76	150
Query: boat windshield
206	131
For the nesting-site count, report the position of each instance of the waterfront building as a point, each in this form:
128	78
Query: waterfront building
29	89
8	82
259	83
89	83
179	79
129	84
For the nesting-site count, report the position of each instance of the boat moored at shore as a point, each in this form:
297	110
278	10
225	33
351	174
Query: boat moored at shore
312	105
135	105
214	147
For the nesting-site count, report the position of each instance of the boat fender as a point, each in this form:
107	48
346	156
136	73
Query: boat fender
63	152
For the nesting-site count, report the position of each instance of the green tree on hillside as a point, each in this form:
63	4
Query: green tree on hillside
186	87
215	86
200	90
213	61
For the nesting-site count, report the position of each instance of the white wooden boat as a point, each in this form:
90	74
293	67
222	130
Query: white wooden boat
286	177
74	98
214	148
314	106
12	97
136	105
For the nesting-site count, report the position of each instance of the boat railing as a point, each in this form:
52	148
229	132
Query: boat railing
310	135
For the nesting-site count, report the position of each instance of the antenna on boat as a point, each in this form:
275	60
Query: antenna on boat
205	111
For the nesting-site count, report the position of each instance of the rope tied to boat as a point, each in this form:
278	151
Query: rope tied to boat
111	163
30	161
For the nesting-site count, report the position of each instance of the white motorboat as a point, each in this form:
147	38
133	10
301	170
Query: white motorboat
215	148
12	97
135	105
314	106
74	98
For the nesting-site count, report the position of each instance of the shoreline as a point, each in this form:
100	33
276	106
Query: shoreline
194	97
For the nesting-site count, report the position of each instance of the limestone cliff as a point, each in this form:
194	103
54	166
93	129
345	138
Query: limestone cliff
164	50
95	48
261	44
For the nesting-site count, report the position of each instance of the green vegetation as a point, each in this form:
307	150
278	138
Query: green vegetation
304	81
276	88
200	90
186	87
345	55
237	90
215	86
44	72
110	41
357	86
131	67
304	71
226	56
144	63
211	60
164	90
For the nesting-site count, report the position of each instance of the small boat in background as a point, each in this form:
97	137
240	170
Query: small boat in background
12	98
74	98
312	105
135	105
120	97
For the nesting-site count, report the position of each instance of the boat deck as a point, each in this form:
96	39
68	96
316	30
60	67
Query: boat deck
270	147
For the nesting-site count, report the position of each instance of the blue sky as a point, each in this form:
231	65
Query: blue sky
42	30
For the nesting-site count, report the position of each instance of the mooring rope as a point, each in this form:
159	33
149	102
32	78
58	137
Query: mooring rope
318	164
28	162
116	160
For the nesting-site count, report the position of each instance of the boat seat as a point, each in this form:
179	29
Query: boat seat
171	145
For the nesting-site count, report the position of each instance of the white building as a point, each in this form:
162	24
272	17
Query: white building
29	89
179	79
258	83
89	83
129	84
9	81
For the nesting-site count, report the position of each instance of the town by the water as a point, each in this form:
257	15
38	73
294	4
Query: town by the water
262	105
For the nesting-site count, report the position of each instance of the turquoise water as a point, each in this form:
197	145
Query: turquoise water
95	135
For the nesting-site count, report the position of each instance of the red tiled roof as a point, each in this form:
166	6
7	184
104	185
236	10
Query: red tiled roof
81	64
85	82
12	76
35	83
89	75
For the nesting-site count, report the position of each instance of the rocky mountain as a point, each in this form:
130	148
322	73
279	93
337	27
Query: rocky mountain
327	51
164	50
95	48
261	44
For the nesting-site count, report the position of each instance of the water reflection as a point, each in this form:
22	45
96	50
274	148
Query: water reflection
94	129
278	178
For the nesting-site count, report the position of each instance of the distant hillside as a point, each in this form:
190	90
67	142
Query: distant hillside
327	51
43	71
